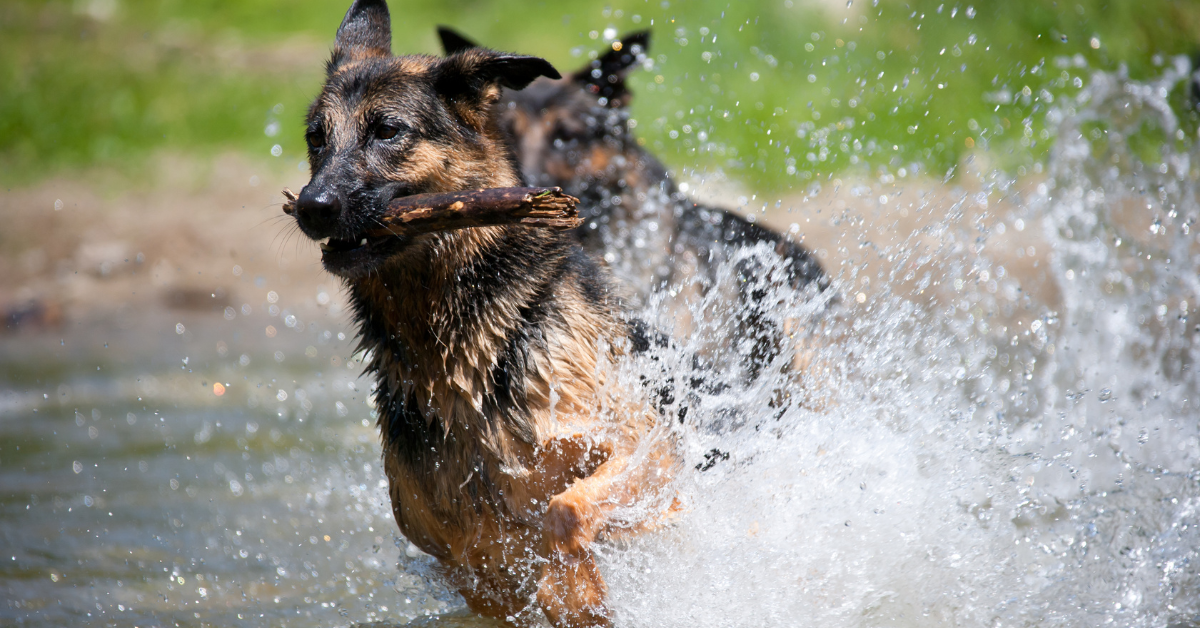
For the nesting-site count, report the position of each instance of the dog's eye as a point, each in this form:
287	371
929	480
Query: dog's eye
316	139
386	132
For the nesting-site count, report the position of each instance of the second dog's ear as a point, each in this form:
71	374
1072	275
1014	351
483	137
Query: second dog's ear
453	41
605	76
366	31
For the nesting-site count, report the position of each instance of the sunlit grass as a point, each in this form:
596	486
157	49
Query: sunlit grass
789	91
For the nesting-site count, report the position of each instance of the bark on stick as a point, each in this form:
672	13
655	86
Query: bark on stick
425	213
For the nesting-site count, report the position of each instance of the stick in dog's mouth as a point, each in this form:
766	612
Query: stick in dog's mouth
410	216
548	208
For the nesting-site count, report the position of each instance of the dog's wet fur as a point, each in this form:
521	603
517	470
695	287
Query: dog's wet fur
574	133
505	444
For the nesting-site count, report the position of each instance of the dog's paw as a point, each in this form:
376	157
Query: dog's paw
571	593
570	525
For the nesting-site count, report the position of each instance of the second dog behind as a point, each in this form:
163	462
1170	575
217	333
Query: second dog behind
574	133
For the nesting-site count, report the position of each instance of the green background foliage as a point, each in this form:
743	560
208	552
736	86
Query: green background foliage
774	92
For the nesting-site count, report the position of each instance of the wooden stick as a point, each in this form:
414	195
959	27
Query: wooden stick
549	208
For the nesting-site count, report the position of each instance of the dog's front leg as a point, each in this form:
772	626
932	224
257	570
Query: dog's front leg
571	591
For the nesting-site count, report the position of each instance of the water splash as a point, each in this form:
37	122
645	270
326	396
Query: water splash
974	457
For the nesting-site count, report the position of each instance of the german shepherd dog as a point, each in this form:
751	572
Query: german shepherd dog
574	133
507	443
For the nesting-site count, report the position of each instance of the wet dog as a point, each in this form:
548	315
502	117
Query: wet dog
506	441
574	133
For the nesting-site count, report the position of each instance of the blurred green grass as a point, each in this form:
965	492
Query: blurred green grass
773	92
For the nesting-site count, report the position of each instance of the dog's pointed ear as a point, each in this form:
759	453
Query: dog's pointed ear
605	75
366	31
453	41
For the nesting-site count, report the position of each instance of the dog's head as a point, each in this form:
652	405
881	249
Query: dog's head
567	129
386	126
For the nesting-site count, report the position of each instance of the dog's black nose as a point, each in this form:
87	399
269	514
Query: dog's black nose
318	212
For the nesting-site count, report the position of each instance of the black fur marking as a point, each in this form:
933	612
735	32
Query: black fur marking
406	429
510	392
592	281
502	268
508	375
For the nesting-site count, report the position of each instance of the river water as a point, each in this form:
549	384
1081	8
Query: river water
997	426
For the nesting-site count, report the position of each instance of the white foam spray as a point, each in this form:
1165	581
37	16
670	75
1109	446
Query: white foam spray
959	455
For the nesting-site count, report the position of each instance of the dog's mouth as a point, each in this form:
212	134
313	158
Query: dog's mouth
354	251
352	257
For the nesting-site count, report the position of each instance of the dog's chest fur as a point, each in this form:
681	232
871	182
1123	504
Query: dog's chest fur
484	345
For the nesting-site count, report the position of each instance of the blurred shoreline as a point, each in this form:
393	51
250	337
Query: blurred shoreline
201	242
91	275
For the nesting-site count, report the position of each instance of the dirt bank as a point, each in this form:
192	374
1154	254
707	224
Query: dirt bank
200	253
